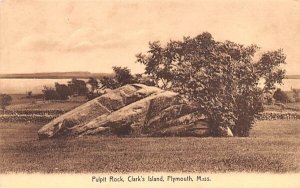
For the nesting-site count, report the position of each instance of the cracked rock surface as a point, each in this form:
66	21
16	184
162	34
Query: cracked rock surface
132	110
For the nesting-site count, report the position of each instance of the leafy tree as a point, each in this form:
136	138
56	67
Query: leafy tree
60	92
5	101
78	87
122	77
93	83
281	96
50	93
107	82
161	62
221	78
63	91
268	99
146	80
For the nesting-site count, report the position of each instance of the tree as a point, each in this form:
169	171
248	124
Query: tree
107	82
93	83
60	92
146	80
122	77
78	87
160	64
50	93
63	91
5	101
221	78
281	96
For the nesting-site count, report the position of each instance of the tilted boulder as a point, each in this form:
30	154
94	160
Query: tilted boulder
135	109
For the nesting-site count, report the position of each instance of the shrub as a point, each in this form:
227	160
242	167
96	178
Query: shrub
50	93
281	96
78	87
63	91
122	77
5	101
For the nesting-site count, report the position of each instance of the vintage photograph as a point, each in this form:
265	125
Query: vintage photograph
131	86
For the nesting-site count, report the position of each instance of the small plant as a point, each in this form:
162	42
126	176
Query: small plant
29	94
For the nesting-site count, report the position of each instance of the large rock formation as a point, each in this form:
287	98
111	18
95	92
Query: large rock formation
135	110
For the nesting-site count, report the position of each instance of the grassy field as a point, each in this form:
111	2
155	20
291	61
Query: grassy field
272	147
21	102
287	107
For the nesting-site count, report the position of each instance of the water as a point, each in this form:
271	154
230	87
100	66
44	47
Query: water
289	84
22	86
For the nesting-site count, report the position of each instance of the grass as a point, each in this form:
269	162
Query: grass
272	147
21	102
295	106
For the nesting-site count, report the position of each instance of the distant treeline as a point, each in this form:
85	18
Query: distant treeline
57	75
292	76
94	86
79	74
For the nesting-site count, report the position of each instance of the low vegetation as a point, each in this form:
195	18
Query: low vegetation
273	146
5	100
93	87
24	109
63	91
21	103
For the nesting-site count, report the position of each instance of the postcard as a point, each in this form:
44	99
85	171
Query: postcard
149	93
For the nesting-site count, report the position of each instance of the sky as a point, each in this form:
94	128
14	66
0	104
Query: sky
63	35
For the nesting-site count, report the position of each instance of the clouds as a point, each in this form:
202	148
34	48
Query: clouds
36	42
81	27
80	40
71	35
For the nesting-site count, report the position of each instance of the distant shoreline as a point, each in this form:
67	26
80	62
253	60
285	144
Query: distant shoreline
55	75
292	77
54	78
79	75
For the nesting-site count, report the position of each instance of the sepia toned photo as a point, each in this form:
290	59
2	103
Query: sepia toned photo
149	93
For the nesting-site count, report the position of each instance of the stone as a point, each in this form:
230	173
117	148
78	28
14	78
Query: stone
225	132
132	110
